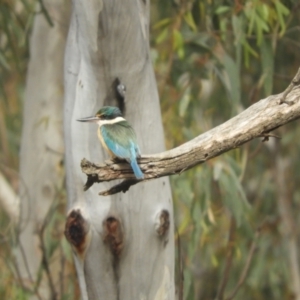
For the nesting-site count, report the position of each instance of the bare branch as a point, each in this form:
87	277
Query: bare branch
294	82
45	264
46	13
256	121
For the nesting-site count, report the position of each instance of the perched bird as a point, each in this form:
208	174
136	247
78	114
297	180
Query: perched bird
117	136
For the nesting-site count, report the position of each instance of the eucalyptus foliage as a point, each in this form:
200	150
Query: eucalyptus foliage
213	59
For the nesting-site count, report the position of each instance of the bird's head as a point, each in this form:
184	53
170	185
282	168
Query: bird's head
106	113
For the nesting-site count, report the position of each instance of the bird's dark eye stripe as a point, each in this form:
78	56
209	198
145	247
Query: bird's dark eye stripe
104	117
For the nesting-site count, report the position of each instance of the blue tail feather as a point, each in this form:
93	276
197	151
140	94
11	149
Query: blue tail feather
136	169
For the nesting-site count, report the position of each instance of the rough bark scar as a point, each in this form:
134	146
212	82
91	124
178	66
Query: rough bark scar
113	235
164	223
76	231
119	91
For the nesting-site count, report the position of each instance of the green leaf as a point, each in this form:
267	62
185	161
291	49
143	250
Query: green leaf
4	62
178	43
233	194
177	39
263	10
267	61
162	23
261	27
247	51
188	17
252	16
281	12
162	36
187	283
239	37
257	16
180	52
222	9
233	72
184	101
223	23
201	39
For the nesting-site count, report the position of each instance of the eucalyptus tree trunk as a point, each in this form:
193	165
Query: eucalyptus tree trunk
41	173
123	244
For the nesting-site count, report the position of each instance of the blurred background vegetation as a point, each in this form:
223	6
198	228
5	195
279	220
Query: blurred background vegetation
236	215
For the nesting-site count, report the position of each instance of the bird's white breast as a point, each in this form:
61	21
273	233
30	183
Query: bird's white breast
113	121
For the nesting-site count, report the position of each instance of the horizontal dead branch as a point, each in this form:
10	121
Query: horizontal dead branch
256	121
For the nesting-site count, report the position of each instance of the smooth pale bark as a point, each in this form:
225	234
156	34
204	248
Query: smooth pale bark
123	244
41	173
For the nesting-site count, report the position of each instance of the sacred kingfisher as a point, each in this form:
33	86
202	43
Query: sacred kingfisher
117	136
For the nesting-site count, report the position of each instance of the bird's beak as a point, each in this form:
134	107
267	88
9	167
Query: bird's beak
89	119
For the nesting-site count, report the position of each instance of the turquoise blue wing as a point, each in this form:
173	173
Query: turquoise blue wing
120	138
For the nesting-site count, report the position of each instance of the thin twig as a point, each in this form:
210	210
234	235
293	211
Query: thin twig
180	271
46	14
44	261
25	262
294	82
15	270
255	151
266	136
62	270
247	265
45	264
228	263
